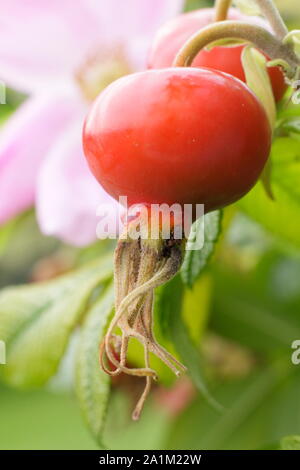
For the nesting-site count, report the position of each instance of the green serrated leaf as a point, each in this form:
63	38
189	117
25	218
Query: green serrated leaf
92	384
37	320
196	260
290	443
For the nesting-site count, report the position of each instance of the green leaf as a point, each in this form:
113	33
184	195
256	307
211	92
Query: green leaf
92	384
196	307
281	215
258	80
290	443
196	260
169	316
37	320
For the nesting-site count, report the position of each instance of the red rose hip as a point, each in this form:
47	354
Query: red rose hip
172	36
177	135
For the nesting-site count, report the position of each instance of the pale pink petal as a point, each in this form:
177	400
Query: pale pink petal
68	195
45	40
131	24
125	18
48	41
24	142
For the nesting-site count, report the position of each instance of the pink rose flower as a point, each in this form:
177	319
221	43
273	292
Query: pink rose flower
61	53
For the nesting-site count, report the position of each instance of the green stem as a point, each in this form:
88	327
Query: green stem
254	34
221	9
271	13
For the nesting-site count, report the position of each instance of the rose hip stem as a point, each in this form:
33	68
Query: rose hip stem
221	9
271	13
258	36
139	267
267	8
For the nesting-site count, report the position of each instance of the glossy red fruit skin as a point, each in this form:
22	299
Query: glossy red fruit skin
177	135
171	37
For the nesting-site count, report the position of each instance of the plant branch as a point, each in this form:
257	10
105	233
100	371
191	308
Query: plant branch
270	12
221	9
254	34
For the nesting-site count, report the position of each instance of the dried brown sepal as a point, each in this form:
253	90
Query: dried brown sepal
139	267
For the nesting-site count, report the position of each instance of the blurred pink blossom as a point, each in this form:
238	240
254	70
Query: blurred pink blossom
62	53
